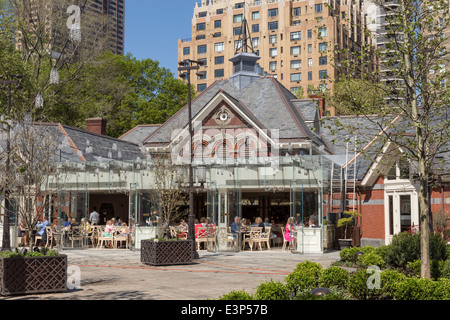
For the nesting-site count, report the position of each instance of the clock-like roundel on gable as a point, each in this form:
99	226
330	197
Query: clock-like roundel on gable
223	116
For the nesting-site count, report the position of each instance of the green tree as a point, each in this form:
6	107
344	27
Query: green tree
411	99
123	90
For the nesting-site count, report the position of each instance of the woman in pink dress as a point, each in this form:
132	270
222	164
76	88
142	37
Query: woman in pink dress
287	233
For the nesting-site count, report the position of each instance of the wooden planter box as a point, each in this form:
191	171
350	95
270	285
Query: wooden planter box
353	233
165	253
33	275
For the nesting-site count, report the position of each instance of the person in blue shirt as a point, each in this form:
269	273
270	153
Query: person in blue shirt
235	227
41	231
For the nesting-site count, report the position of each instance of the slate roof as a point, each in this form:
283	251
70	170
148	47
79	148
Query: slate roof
340	139
139	133
265	99
76	145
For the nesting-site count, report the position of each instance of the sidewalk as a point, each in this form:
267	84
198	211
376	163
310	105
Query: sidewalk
108	274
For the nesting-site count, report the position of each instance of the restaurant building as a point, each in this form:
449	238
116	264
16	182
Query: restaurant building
258	152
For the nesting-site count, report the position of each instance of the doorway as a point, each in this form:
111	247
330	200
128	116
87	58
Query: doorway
401	213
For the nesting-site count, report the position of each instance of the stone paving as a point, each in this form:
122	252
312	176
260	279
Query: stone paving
108	274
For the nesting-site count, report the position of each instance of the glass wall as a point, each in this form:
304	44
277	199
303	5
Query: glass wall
287	192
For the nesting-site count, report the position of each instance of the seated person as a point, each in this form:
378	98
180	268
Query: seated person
200	225
108	229
23	234
259	223
123	229
183	229
235	227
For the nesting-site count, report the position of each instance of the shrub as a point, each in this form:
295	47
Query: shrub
305	276
389	281
358	286
334	277
438	247
371	259
335	294
444	286
349	254
421	289
405	248
272	290
444	269
414	268
237	295
382	251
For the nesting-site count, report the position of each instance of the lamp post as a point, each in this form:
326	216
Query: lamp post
8	81
186	67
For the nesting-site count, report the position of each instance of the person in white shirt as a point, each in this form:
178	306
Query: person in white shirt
94	216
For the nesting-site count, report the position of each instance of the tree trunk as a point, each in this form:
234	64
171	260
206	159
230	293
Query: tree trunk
424	219
412	102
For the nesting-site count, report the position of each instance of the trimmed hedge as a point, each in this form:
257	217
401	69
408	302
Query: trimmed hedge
305	276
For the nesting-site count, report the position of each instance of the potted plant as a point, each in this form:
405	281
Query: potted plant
344	222
169	194
32	272
162	251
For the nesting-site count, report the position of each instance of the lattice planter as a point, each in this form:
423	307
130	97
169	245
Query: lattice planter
33	275
162	253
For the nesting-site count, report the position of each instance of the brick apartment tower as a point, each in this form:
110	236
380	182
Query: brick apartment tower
103	18
285	34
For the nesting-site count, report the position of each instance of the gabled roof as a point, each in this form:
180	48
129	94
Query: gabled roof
265	100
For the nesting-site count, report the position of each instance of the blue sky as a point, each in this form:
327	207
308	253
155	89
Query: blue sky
153	27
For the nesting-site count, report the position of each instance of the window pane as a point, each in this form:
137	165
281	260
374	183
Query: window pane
273	25
297	35
219	47
296	64
237	18
255	15
296	77
202	48
323	46
296	50
201	87
219	60
219	73
273	12
273	65
201	26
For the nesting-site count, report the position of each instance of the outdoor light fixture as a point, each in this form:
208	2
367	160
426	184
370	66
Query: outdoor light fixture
185	67
8	81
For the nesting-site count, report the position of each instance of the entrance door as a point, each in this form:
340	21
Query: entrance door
401	212
223	206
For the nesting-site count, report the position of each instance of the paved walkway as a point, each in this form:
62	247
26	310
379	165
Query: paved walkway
108	274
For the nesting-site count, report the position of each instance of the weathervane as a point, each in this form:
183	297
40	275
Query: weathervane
245	36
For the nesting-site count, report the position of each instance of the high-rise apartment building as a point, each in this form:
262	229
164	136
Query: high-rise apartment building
102	22
295	39
112	13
